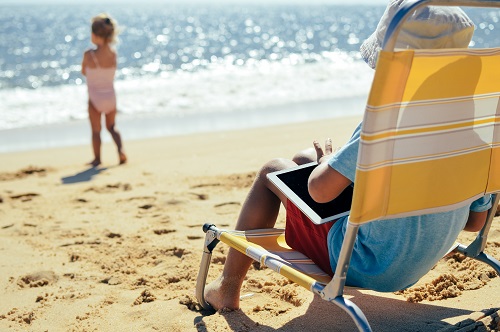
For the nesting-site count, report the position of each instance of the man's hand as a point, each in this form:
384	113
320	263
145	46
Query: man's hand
325	183
324	155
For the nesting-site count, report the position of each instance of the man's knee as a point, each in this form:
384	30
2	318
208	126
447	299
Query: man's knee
274	165
305	156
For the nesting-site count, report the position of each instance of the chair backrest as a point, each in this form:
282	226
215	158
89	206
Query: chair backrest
430	140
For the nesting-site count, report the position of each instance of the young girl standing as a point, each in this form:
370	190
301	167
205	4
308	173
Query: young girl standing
99	66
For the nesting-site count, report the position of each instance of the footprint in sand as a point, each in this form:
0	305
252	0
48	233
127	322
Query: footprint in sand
178	252
37	279
110	188
239	181
112	281
242	180
146	296
25	197
465	274
175	202
191	303
201	197
203	185
145	202
221	260
141	198
22	173
112	235
15	316
163	231
227	207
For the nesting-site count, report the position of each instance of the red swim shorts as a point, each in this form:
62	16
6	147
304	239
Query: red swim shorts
303	235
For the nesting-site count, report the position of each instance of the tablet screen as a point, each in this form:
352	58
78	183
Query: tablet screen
296	179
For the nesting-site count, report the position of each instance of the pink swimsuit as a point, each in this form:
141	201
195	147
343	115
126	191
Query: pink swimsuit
100	87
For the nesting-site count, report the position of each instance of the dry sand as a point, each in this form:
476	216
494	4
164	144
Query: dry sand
118	248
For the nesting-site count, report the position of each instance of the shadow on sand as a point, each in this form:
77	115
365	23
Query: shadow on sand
383	314
83	176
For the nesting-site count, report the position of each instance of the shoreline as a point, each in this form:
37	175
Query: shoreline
157	125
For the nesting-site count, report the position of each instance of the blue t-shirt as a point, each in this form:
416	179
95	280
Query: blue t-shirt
393	254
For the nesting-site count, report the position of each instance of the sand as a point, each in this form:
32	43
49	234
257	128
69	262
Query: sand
118	248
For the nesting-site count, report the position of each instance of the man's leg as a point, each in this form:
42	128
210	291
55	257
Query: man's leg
260	210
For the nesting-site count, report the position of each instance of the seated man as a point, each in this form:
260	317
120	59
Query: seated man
385	257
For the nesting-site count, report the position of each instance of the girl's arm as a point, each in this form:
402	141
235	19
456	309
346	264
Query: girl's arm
114	59
84	62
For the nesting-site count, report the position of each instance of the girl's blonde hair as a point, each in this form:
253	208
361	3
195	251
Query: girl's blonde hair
105	26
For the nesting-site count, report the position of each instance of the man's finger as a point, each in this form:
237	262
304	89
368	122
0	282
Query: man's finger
318	148
328	146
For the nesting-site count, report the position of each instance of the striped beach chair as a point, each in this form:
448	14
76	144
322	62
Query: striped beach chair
430	142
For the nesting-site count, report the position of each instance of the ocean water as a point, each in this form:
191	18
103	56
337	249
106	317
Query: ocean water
186	68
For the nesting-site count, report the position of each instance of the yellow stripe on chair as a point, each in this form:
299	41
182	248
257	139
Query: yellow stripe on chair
268	247
388	88
439	182
418	97
458	74
432	75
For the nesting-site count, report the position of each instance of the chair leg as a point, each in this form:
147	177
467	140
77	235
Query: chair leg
482	257
476	248
485	258
355	312
210	243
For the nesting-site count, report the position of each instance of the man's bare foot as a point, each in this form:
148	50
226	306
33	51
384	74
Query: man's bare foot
221	295
95	162
123	158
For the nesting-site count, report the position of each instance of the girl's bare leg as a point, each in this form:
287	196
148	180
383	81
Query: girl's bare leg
115	134
260	210
95	125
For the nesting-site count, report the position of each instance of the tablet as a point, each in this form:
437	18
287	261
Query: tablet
292	182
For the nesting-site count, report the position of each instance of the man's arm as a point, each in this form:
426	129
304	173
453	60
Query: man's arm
325	183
